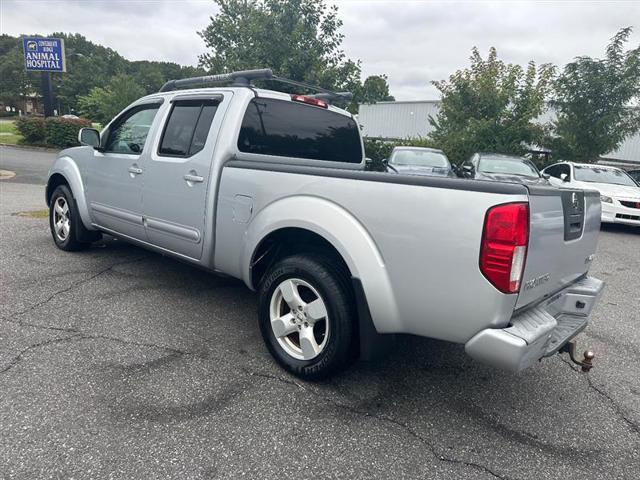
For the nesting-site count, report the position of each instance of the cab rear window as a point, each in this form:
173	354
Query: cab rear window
289	129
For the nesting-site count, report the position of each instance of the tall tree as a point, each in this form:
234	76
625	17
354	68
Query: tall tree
375	88
102	104
491	106
298	39
594	101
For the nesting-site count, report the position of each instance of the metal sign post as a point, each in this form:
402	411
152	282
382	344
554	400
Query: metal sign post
44	55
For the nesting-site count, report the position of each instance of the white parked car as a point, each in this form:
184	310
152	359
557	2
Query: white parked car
619	193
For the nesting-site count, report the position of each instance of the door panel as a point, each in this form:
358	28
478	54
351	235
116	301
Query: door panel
115	174
178	173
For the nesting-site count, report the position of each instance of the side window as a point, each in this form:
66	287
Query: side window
128	133
554	171
187	128
564	168
290	129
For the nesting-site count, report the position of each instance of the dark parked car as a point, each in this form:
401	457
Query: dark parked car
419	161
502	168
635	174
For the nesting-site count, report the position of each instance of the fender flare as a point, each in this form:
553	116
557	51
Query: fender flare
347	235
66	167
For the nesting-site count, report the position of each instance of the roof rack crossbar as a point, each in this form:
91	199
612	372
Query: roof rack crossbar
239	79
244	79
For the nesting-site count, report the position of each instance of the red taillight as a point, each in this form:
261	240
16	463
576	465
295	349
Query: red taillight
310	101
504	245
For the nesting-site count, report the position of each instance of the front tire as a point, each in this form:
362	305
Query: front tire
64	220
307	316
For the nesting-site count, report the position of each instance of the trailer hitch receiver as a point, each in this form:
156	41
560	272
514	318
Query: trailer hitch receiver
587	361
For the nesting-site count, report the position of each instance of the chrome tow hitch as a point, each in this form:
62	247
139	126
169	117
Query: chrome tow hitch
587	361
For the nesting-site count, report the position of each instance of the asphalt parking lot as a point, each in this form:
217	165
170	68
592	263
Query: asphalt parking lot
121	363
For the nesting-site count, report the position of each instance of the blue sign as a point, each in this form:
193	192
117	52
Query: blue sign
44	54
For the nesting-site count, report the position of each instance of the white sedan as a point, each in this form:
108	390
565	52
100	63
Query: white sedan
619	193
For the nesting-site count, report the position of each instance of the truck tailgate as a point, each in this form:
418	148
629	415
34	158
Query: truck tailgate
564	226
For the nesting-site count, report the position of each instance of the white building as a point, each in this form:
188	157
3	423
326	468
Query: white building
400	120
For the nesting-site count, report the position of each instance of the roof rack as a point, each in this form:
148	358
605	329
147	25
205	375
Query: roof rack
245	77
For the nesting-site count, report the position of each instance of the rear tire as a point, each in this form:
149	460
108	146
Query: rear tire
307	316
64	221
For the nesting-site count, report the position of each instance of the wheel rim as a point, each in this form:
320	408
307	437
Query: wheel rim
299	319
61	219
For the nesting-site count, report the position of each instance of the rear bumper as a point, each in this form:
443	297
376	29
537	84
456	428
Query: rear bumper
537	332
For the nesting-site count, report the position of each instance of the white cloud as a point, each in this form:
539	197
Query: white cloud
413	42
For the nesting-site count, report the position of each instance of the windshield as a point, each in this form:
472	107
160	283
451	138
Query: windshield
508	166
602	175
419	158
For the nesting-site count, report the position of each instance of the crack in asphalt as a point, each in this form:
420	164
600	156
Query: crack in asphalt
79	336
614	404
44	343
383	418
62	291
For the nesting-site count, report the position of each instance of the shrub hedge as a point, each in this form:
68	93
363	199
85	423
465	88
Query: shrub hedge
53	131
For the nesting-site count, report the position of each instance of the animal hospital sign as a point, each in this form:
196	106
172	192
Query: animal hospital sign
44	54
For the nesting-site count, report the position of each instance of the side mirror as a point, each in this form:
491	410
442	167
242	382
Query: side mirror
367	163
89	137
564	177
546	176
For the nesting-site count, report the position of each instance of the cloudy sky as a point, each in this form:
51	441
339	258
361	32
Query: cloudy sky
413	42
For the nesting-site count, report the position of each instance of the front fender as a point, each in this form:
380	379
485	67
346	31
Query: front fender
344	232
67	167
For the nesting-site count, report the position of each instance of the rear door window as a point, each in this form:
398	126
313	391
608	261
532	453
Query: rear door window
290	129
187	128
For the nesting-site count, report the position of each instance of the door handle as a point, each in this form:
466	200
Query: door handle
135	170
193	178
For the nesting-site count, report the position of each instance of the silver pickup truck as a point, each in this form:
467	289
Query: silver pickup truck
270	188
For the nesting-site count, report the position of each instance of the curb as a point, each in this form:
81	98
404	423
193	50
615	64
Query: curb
32	147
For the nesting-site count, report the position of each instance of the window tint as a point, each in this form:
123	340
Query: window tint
187	128
128	133
289	129
554	171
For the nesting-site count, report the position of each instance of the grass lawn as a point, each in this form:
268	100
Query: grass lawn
8	133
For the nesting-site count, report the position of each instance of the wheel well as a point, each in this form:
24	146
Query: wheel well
288	241
54	181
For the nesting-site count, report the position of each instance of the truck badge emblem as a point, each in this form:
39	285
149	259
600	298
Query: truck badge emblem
536	282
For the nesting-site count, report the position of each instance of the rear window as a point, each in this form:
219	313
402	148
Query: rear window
290	129
187	128
508	166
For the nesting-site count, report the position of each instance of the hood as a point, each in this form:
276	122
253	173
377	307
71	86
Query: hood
503	177
415	170
612	190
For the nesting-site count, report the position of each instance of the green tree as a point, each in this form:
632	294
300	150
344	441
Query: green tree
15	81
593	98
374	89
298	39
101	104
491	106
